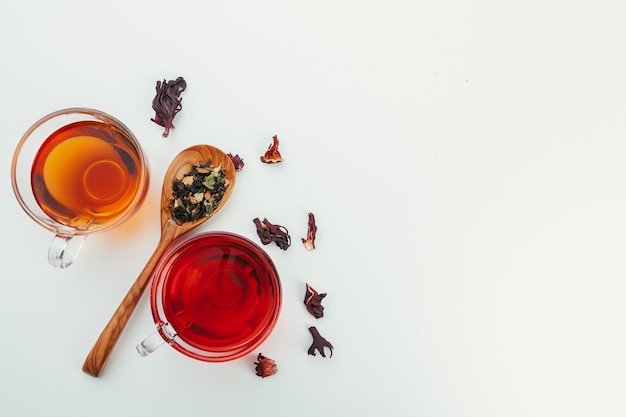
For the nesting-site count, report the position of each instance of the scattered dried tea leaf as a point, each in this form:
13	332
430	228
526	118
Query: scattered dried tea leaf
237	161
265	366
319	343
313	302
269	233
167	102
271	155
309	242
198	193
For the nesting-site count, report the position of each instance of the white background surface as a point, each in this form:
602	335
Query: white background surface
465	161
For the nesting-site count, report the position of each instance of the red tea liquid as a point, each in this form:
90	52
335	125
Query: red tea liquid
86	174
219	293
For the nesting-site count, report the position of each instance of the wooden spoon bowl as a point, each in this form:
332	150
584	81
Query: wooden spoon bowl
170	230
180	166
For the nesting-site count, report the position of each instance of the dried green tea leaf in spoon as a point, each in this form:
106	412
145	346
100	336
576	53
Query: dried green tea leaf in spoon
198	193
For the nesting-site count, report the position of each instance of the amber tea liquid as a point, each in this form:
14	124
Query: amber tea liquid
216	295
86	174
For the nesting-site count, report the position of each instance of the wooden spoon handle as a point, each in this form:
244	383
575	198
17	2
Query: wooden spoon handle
97	357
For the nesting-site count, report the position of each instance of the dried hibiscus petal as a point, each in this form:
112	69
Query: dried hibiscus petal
319	343
167	102
237	161
271	155
265	366
269	233
309	242
313	302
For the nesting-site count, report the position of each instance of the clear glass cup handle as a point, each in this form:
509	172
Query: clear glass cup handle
64	250
152	342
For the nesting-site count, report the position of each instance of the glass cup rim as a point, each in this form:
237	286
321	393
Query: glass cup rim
165	330
50	224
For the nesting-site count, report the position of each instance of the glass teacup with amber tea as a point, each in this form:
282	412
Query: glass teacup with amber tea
76	172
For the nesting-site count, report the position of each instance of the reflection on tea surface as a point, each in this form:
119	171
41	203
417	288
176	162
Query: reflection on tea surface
86	174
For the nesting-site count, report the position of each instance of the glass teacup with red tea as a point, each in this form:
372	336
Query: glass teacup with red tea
215	297
76	172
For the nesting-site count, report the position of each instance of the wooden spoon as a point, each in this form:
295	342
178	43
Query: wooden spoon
181	165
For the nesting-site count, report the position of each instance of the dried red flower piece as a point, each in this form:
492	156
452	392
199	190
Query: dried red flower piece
319	343
237	161
269	233
271	155
265	366
309	242
167	102
313	302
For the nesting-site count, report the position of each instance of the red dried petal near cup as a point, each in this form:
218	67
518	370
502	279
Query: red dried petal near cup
309	242
265	366
313	302
319	343
269	233
272	155
237	161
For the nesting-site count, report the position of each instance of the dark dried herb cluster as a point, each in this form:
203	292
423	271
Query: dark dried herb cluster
167	102
198	193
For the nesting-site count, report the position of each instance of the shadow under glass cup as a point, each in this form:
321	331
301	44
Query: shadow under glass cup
76	172
215	297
